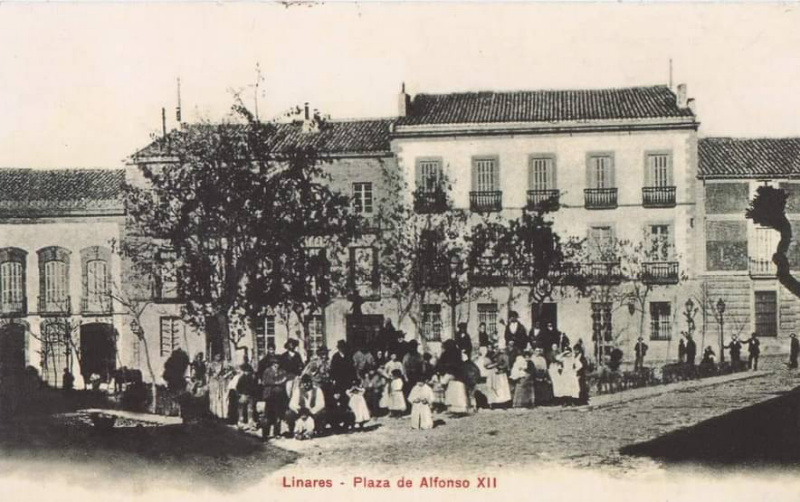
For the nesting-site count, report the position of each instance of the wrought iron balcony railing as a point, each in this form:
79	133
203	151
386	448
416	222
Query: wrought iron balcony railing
55	306
762	267
486	202
488	271
598	272
658	196
96	305
660	272
600	198
14	307
430	202
543	198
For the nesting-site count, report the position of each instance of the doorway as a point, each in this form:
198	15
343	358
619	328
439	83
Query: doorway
98	350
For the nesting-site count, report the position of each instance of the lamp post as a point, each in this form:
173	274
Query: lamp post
721	313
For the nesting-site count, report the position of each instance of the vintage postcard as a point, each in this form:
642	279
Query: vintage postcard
389	251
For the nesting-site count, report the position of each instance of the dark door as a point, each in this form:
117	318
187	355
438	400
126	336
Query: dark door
362	330
98	350
547	314
12	349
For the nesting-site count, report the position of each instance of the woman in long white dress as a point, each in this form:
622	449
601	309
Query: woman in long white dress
499	390
388	373
570	383
421	397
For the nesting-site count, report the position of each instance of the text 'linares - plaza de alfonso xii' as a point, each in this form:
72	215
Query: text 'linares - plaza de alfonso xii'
611	165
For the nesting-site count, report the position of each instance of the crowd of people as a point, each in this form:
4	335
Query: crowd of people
284	395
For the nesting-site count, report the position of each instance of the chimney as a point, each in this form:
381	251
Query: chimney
306	116
690	103
682	98
403	102
310	124
163	122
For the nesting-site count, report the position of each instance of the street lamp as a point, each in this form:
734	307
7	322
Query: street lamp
721	312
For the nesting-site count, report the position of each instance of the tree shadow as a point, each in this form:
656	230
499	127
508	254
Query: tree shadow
763	435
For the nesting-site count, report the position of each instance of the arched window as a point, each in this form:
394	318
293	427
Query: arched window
54	280
95	265
12	281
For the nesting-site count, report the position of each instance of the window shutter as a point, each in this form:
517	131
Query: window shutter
612	182
418	175
551	173
474	175
531	163
669	170
591	179
648	170
496	174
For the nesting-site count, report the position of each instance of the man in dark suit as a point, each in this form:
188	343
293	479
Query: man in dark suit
342	370
640	350
691	350
753	351
463	340
516	331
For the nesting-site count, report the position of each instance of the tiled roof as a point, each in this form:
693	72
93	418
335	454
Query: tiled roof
335	137
749	157
544	106
38	192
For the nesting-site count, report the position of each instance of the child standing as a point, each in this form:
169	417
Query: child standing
438	385
397	401
421	397
304	425
358	405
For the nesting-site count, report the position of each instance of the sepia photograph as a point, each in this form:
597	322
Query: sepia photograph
391	250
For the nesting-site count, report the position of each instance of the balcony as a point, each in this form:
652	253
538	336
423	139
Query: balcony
543	199
486	202
762	268
96	305
431	202
55	306
600	198
14	308
488	271
599	273
660	272
658	196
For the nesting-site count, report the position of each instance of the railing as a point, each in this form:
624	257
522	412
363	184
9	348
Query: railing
430	202
598	272
658	196
660	272
12	308
50	306
762	267
488	271
486	202
538	199
600	198
102	305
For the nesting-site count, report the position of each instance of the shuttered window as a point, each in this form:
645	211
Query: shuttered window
429	175
659	170
11	275
542	173
601	171
485	175
171	335
766	303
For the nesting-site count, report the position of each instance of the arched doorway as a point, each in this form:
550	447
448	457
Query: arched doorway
98	350
12	349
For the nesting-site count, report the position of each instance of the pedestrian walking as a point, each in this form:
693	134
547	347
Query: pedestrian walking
753	351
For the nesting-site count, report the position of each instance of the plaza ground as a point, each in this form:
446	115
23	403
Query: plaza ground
710	423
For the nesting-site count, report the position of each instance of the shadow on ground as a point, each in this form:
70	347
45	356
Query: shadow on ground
207	456
764	435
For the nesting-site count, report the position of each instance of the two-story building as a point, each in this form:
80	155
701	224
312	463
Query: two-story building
735	257
58	271
621	164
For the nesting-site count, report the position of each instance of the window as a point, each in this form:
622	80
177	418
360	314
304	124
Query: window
487	313
766	303
601	242
542	173
171	334
485	175
364	271
317	270
602	334
55	351
659	170
12	285
55	280
167	287
727	198
601	171
136	348
265	334
726	245
659	238
429	174
794	248
432	322
362	198
97	291
660	320
316	335
793	196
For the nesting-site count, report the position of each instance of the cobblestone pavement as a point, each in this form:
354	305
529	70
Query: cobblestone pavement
558	437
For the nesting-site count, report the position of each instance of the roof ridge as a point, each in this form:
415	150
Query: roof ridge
550	89
748	138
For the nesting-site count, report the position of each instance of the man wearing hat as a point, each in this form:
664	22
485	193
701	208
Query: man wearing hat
307	395
463	340
794	350
342	371
266	361
516	331
290	361
639	350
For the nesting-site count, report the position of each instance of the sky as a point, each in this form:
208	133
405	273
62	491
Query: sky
82	85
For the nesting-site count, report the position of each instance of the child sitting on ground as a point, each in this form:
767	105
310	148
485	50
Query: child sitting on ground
304	425
421	397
